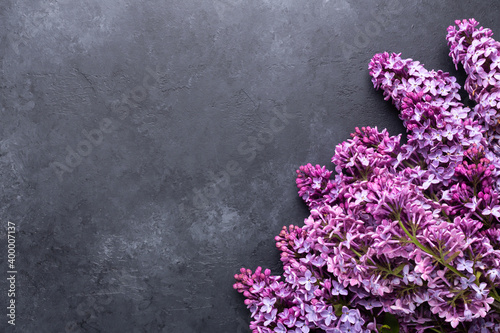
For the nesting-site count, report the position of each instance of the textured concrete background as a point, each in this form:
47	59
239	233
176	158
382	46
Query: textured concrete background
148	148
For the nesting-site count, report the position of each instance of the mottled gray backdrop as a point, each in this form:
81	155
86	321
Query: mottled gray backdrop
148	148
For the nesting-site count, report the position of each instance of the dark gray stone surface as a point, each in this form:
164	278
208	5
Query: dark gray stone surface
186	177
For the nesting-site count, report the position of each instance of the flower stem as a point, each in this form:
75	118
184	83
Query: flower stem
428	251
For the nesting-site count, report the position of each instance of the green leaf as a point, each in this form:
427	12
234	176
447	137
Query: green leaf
390	324
453	256
338	309
399	269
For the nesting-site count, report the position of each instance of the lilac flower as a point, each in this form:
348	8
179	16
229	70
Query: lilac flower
257	287
280	328
410	229
370	304
337	289
348	239
301	327
480	290
307	280
493	274
399	307
465	265
349	315
270	317
495	211
328	315
467	283
318	261
289	317
363	196
473	204
268	303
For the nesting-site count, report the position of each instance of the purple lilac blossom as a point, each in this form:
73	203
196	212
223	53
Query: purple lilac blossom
402	233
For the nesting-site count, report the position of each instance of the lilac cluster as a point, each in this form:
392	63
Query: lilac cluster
405	237
479	54
315	185
431	111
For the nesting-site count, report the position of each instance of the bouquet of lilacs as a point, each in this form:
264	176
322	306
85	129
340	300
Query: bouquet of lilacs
405	237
